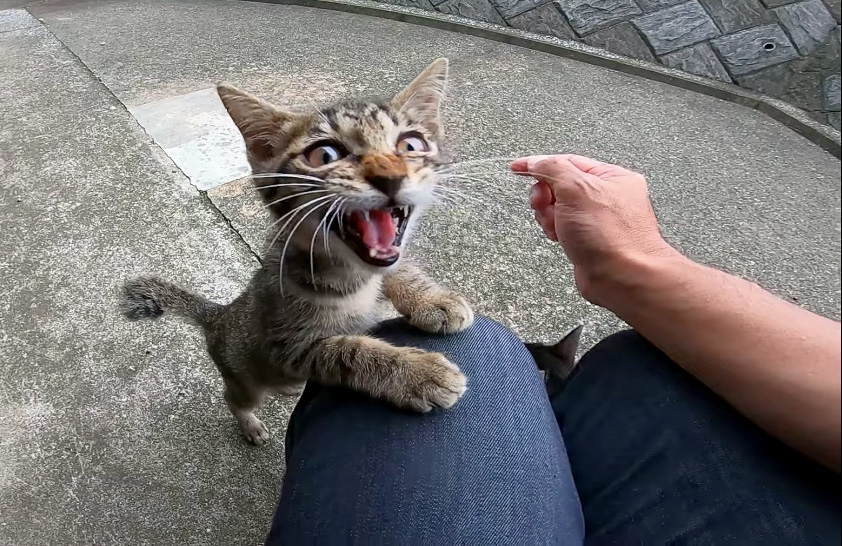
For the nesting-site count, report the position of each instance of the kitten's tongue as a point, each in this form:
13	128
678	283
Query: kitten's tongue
378	231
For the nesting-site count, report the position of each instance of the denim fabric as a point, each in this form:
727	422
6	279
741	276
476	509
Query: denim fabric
659	459
490	471
656	457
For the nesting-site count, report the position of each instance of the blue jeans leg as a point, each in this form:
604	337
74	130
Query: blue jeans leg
659	459
491	470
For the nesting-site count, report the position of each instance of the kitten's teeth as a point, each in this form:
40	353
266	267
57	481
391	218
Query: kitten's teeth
372	253
406	212
367	218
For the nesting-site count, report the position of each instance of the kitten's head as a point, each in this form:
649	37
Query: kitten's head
366	167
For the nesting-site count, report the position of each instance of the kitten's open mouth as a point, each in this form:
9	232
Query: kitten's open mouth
375	235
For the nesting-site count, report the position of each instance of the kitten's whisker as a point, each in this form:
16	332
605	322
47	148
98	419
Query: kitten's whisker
281	230
442	193
313	244
323	224
326	224
292	232
291	213
441	199
448	189
287	175
482	177
330	222
296	194
287	184
452	192
452	195
468	175
342	213
453	198
481	162
517	174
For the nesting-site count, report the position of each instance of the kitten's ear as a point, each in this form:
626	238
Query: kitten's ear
423	97
264	127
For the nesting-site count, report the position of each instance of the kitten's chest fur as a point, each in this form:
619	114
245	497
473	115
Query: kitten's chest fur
272	324
327	312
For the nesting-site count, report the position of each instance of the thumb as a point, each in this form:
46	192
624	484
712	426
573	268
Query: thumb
558	172
521	164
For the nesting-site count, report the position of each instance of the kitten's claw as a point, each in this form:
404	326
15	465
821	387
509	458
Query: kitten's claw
435	382
443	313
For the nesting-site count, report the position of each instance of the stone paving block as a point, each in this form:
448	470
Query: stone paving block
698	59
787	82
478	10
808	23
831	92
676	27
545	19
420	4
654	5
835	7
776	3
834	119
734	15
587	16
622	39
825	59
512	8
754	48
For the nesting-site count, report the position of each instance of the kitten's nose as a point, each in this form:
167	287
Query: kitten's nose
385	172
389	186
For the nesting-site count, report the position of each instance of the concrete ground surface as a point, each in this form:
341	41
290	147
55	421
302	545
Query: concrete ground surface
116	432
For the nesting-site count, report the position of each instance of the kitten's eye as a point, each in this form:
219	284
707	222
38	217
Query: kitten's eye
412	143
322	155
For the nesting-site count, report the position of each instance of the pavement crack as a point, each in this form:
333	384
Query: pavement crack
151	141
230	225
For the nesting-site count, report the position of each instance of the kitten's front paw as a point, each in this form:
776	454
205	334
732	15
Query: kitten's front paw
442	313
432	381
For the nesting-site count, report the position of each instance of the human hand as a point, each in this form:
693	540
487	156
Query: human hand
600	213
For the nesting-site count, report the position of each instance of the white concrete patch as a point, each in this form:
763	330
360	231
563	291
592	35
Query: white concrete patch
197	133
16	19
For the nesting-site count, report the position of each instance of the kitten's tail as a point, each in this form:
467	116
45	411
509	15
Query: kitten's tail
149	297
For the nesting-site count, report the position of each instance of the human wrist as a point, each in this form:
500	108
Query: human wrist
614	281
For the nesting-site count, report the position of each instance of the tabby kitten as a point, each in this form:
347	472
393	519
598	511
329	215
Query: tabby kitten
346	185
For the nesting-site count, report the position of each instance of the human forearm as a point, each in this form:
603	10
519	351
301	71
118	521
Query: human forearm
776	363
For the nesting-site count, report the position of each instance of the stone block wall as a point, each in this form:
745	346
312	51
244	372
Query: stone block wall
788	49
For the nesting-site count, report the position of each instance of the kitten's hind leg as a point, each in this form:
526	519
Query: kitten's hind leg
425	304
291	389
242	401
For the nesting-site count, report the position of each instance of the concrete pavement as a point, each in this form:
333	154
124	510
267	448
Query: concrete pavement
116	433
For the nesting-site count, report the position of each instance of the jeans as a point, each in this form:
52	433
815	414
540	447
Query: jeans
651	457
